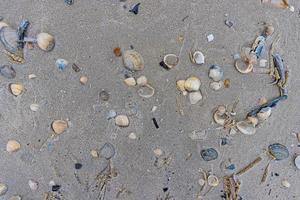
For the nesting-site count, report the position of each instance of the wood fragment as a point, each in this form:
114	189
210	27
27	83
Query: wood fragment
265	174
249	166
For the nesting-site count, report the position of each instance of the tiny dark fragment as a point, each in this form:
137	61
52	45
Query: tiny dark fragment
155	122
55	188
78	165
135	9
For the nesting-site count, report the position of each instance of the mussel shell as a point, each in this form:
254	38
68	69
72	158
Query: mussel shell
216	73
133	60
7	71
209	154
278	151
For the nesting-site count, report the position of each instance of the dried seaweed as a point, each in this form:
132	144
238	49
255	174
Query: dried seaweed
231	187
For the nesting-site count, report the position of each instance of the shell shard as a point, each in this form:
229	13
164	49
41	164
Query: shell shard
195	97
198	58
246	127
264	113
278	151
216	73
133	60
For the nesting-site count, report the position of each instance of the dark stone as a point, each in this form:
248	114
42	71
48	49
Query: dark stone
55	188
78	165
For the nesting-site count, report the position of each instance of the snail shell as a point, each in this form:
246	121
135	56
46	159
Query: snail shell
192	84
133	60
122	121
12	146
45	41
59	126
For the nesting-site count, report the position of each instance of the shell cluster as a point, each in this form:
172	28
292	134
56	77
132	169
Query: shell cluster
190	86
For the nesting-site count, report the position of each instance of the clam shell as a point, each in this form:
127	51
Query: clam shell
133	60
278	151
16	88
34	185
142	81
34	107
264	113
216	85
209	154
107	151
212	180
285	184
297	162
45	41
130	81
83	80
3	189
246	127
170	60
195	97
277	3
12	146
122	121
180	85
59	126
216	73
7	71
198	58
192	84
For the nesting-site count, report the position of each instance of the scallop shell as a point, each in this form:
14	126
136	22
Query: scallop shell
192	84
297	162
142	81
130	81
209	154
83	80
195	97
213	181
246	127
122	120
45	41
180	85
198	58
133	60
16	88
216	85
59	126
264	113
278	151
7	71
170	60
3	189
12	146
216	73
34	107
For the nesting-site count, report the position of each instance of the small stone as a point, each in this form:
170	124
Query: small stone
210	37
107	151
285	184
103	95
12	146
117	51
154	108
61	63
3	189
229	23
15	197
33	185
157	152
83	80
94	153
236	56
111	114
122	121
78	165
132	136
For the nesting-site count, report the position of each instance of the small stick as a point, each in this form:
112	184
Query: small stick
265	174
271	63
249	166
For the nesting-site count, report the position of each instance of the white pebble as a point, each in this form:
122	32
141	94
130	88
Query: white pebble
132	136
210	37
285	184
34	107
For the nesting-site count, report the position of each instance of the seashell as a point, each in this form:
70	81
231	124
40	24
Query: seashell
3	189
130	81
210	37
142	80
277	3
7	71
264	113
117	51
107	151
226	83
213	181
12	146
198	58
285	184
197	135
104	96
252	120
221	110
157	152
201	182
34	107
3	24
94	153
61	63
209	154
216	73
192	84
195	97
269	30
218	116
32	76
278	151
216	85
132	136
297	162
122	121
170	61
246	127
83	80
45	41
133	60
180	85
141	91
15	197
34	185
16	88
59	126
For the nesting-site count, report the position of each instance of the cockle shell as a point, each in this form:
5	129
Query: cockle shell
212	180
12	146
264	113
246	127
130	81
195	97
278	151
198	58
192	84
142	81
216	85
16	88
122	120
45	41
216	73
59	126
133	60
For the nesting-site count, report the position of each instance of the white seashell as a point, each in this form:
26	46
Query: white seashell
180	85
198	58
45	41
32	76
12	146
142	81
94	153
232	131
132	136
195	97
157	152
184	93
292	8
3	189
130	81
216	73
83	80
246	127
216	85
210	37
122	121
34	185
170	60
297	162
133	60
16	88
212	180
285	184
192	84
264	113
34	107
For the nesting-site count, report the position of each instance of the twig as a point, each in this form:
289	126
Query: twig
249	166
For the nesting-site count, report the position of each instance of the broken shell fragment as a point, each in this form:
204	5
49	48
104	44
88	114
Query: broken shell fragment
197	57
216	73
180	85
269	30
209	154
83	80
61	63
169	61
130	81
3	24
132	136
253	120
264	113
277	3
122	120
212	180
262	100
16	88
7	71
221	110
3	189
34	185
219	115
45	41
94	153
278	151
285	184
133	60
297	162
192	84
216	85
34	107
142	81
59	126
147	95
195	97
12	146
246	127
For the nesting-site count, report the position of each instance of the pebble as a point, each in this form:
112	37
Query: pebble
111	114
157	152
209	154
78	165
12	146
94	153
15	197
83	80
34	185
210	37
122	121
117	51
3	189
297	162
154	108
107	151
132	136
285	184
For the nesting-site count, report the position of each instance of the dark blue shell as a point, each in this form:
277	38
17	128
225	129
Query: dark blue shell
278	151
209	154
